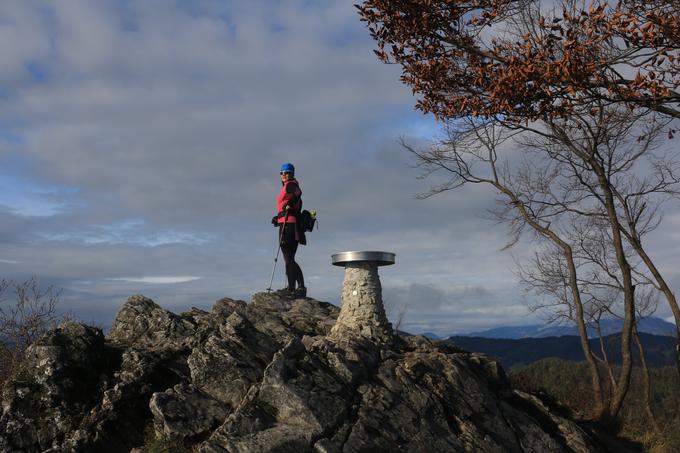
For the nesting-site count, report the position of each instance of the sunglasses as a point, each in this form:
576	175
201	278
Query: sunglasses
286	173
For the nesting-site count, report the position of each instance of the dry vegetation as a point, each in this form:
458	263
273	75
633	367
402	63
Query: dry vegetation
568	383
26	313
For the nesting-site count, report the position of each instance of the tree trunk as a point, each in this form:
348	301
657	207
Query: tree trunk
663	286
595	381
599	408
628	292
647	382
605	357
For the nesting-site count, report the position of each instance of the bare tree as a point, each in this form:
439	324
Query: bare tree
564	182
471	157
601	295
621	182
24	318
396	312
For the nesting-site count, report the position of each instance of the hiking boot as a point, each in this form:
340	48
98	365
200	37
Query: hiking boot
301	292
286	292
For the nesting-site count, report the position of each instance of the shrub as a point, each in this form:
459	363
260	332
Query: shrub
26	313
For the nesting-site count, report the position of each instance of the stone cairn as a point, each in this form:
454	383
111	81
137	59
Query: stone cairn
362	311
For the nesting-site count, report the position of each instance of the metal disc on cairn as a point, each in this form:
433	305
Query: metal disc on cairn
362	311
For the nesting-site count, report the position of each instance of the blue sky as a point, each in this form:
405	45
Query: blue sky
139	152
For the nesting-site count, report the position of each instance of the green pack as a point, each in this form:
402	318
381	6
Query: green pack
307	220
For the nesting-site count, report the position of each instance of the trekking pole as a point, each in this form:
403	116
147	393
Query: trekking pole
276	258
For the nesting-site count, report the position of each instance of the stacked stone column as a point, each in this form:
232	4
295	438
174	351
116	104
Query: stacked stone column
362	312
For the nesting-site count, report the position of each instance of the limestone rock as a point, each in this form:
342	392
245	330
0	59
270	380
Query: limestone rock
145	324
237	354
59	379
183	412
267	376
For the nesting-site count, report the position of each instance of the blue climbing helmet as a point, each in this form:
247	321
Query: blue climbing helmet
288	168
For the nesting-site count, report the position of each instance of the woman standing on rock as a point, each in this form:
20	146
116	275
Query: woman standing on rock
289	204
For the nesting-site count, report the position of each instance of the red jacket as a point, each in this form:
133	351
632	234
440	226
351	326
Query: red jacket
290	195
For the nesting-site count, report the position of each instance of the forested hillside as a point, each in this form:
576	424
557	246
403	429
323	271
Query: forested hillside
568	383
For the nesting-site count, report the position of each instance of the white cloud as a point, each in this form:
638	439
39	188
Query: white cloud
133	232
167	280
158	129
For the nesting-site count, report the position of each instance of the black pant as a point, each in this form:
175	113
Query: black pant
288	247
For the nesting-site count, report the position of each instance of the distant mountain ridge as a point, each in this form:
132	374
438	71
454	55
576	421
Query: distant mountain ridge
659	349
651	325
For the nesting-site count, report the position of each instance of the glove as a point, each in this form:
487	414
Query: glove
275	220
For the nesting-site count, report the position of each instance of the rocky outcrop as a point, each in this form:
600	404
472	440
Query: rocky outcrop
266	376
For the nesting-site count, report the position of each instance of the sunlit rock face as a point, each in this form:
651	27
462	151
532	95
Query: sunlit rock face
268	376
